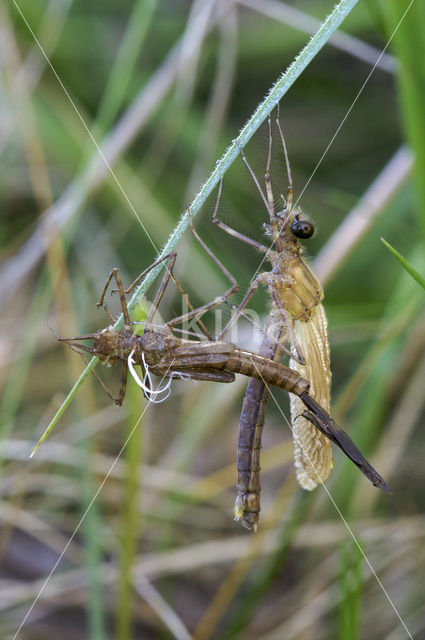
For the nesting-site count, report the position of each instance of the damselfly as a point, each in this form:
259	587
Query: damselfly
298	317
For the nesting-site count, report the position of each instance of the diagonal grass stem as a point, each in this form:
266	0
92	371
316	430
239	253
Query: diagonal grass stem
277	91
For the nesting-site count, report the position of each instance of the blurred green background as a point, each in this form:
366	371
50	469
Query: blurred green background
164	87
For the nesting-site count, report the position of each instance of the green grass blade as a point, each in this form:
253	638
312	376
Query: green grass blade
350	581
92	548
65	404
278	90
409	268
409	46
130	522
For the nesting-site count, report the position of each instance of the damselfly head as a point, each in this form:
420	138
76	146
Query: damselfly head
302	228
299	227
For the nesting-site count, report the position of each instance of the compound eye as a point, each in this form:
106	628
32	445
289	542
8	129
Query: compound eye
302	229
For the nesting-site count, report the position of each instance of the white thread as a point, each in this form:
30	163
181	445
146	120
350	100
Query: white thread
146	384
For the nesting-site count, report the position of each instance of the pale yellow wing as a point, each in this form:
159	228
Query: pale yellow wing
312	450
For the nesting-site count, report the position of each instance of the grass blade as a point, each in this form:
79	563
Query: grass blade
350	581
278	90
409	268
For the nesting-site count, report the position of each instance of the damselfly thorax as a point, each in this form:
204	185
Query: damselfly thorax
297	298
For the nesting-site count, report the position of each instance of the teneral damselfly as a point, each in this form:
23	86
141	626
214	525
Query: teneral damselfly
297	317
